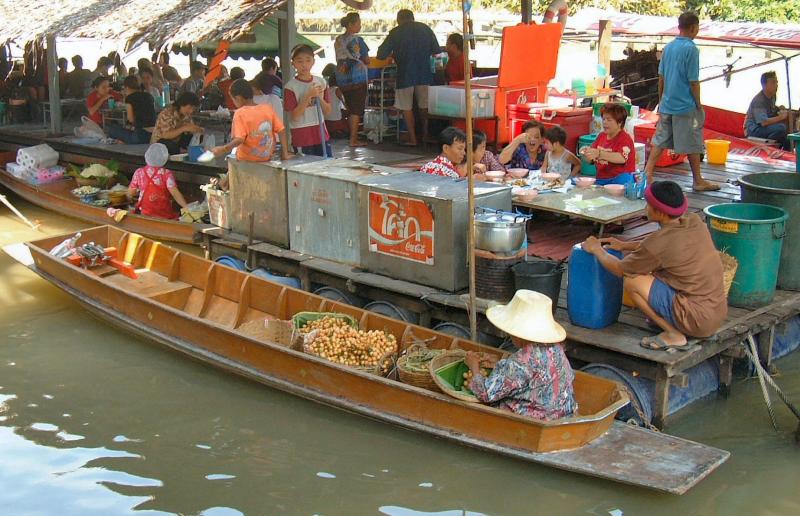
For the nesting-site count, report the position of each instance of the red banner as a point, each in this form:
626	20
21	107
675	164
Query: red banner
401	227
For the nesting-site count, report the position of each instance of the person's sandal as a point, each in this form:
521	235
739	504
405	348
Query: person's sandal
706	186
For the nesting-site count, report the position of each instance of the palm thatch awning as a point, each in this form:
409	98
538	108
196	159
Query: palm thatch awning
161	23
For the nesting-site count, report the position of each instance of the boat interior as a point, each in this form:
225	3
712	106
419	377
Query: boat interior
245	304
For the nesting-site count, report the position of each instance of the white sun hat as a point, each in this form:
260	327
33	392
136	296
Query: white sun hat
529	316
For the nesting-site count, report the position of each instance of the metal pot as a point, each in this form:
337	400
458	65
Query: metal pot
499	232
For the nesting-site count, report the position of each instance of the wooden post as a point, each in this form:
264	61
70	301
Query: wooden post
604	33
287	35
53	86
473	316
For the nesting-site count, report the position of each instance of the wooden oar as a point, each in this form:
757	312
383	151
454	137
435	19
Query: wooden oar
17	212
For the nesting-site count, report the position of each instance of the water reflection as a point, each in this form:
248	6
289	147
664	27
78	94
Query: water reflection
94	421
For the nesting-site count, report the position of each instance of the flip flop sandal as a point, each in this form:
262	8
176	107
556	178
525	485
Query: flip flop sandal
706	187
656	343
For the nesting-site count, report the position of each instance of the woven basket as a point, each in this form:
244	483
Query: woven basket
90	181
729	267
448	358
421	379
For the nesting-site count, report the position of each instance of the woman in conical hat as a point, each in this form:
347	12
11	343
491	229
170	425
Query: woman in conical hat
536	381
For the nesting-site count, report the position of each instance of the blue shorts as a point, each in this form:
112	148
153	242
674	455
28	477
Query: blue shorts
661	298
622	179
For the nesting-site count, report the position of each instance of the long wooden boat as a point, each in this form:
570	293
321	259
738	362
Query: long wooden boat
57	197
216	314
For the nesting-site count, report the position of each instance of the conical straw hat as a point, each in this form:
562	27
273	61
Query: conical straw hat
529	316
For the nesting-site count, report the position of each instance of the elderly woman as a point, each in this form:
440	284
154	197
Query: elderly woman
536	381
613	152
174	126
352	57
526	149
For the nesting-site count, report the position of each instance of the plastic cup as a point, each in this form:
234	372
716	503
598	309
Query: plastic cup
112	103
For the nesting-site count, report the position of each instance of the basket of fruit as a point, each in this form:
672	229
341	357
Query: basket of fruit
412	366
336	337
86	194
452	376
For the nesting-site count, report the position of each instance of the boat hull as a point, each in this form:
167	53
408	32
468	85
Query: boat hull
55	197
614	451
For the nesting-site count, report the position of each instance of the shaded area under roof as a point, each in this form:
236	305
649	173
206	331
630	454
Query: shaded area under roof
163	23
260	42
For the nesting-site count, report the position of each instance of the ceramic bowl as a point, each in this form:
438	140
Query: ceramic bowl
495	175
616	190
547	176
518	173
584	182
528	194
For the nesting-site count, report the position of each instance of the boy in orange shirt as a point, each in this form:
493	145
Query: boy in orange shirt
255	129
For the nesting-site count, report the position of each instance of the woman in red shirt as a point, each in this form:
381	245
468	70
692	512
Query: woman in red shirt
98	98
613	152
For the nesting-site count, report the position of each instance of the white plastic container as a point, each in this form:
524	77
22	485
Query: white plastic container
451	101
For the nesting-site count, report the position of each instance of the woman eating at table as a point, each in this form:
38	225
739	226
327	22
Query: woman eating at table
537	380
526	149
613	152
141	115
174	126
483	160
99	97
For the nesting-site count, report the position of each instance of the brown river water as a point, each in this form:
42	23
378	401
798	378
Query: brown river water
94	421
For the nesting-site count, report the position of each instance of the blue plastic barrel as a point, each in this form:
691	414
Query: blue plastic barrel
594	295
230	261
391	310
289	281
334	294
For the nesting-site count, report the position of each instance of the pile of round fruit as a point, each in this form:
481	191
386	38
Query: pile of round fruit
336	340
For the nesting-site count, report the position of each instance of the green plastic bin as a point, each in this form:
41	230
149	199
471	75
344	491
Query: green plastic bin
587	169
781	189
753	234
795	139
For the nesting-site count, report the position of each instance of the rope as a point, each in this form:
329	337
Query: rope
768	378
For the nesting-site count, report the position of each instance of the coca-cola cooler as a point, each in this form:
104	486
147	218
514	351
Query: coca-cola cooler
576	121
528	60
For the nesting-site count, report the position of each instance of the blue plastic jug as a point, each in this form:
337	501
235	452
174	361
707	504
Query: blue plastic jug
594	295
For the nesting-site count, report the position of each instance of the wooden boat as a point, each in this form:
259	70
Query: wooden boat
216	314
57	197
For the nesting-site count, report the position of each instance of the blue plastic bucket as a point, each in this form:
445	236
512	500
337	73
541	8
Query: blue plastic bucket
289	281
230	261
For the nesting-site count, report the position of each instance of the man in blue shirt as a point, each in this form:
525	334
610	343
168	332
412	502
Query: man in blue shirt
764	118
412	44
681	116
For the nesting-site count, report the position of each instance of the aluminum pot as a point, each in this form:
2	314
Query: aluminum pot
499	232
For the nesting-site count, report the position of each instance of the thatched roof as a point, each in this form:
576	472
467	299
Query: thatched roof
157	22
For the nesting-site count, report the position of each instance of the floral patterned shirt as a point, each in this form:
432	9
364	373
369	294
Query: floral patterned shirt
441	166
491	162
522	159
169	119
536	382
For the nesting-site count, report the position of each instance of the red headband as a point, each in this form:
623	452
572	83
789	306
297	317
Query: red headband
665	208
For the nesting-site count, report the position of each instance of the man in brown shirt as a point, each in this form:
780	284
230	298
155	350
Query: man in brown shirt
674	275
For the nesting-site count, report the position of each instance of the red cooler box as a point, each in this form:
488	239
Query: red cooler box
575	121
518	114
643	133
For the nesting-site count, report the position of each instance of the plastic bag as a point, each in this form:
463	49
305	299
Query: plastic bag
89	129
195	141
209	141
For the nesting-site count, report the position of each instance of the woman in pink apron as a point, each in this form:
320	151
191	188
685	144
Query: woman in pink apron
156	186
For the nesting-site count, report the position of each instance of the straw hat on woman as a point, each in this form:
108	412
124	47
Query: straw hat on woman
536	381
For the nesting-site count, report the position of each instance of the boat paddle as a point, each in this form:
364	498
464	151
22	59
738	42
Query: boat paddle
11	207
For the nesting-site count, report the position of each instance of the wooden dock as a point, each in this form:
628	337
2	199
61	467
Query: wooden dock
617	344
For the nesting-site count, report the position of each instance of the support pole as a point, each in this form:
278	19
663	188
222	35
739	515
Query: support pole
287	35
604	33
527	11
53	86
473	316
